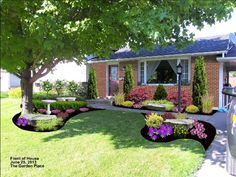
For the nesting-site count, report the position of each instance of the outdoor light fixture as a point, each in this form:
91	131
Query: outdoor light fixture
179	68
179	72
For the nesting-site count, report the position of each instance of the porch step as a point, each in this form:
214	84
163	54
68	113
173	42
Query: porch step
100	102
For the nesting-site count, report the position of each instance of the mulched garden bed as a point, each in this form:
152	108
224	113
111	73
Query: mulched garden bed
209	130
32	128
144	108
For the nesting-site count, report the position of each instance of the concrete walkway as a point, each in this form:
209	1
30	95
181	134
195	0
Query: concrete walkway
214	164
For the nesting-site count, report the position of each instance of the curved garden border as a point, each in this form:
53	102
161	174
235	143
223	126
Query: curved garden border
32	128
209	130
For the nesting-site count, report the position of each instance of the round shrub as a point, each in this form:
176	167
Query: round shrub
139	95
128	104
160	93
154	120
186	99
46	86
192	109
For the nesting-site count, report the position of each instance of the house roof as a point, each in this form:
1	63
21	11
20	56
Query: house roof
201	45
231	52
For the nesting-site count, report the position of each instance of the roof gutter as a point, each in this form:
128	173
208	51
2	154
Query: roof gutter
159	56
226	59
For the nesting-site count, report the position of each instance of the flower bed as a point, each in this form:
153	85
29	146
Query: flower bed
48	125
140	107
156	130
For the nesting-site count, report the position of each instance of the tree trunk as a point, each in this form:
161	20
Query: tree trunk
27	91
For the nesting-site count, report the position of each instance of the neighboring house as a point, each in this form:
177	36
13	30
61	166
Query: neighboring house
159	67
8	81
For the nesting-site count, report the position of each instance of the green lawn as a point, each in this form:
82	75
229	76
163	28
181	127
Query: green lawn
95	144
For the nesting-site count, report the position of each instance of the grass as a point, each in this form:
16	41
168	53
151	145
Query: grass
3	94
95	144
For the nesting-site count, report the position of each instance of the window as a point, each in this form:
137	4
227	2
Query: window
163	71
185	69
142	72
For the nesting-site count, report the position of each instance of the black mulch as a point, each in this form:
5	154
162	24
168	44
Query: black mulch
32	128
209	130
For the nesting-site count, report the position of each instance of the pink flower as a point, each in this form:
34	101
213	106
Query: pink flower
56	111
69	111
42	110
83	109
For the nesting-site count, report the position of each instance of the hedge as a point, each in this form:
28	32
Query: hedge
61	105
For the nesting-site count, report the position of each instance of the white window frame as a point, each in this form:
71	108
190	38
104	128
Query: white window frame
164	58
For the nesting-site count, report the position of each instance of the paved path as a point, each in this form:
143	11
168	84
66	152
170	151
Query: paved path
215	162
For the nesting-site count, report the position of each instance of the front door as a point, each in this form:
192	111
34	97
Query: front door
113	80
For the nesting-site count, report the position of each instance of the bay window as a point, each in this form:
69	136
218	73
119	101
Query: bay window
163	71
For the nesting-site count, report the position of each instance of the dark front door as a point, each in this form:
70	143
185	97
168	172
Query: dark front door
113	80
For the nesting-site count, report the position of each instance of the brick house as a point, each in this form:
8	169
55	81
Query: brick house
159	67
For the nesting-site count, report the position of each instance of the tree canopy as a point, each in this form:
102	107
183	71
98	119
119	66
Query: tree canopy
36	35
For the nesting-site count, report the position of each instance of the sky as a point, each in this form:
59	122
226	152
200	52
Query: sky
223	27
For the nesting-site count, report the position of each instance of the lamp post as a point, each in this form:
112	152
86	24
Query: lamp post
179	72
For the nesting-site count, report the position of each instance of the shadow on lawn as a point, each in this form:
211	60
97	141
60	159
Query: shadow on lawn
124	128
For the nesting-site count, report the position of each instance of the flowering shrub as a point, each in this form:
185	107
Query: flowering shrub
21	121
83	109
139	94
42	111
56	111
69	111
163	131
198	130
137	105
168	115
186	99
154	120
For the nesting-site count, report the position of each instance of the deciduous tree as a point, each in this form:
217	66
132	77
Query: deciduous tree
36	35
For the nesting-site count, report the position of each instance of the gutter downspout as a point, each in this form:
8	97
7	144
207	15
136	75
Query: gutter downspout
221	81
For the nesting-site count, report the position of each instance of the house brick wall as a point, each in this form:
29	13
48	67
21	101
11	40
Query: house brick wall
212	72
100	69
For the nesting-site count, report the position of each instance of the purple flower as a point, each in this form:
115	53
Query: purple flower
154	137
56	111
163	131
42	110
83	109
69	111
21	121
